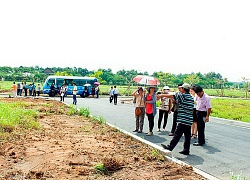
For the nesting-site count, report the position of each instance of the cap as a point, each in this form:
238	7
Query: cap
166	87
185	86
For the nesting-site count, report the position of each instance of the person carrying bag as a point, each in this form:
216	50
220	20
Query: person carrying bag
139	109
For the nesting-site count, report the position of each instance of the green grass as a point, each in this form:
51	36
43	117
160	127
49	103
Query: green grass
72	110
14	116
84	112
235	109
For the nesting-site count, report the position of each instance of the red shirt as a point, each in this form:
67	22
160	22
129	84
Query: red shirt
149	107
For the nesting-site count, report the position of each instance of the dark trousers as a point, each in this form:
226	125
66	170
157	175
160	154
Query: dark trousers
25	92
111	99
150	122
115	98
174	122
161	114
74	99
180	129
201	126
62	98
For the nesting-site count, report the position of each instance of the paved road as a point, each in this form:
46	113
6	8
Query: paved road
227	142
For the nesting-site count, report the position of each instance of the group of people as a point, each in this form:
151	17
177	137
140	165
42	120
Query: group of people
191	109
31	89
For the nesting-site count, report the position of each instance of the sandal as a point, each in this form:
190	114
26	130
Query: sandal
194	136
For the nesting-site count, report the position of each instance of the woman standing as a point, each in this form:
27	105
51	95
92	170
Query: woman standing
164	109
194	125
139	96
150	101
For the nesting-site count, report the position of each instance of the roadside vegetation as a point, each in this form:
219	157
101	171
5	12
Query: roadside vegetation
14	117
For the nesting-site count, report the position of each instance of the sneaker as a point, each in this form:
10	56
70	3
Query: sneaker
158	130
194	136
135	130
139	131
164	130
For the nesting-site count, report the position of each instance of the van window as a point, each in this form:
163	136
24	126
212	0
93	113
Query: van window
51	81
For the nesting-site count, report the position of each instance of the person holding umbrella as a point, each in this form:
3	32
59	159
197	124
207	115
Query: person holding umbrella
150	101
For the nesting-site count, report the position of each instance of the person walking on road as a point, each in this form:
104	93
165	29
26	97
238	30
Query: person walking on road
74	93
203	108
62	92
20	89
139	96
38	91
184	119
111	94
175	110
164	109
14	89
116	92
25	87
150	101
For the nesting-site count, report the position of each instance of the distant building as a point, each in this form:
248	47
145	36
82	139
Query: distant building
48	71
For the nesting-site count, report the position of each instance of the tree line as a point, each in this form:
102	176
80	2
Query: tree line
209	80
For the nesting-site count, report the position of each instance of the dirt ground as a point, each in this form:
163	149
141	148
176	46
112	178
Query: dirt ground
71	147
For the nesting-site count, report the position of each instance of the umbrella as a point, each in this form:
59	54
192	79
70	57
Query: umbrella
97	83
146	80
87	84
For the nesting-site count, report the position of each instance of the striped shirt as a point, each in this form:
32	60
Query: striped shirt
185	110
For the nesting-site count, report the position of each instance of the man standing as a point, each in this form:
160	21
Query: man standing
203	112
111	94
74	93
175	110
116	92
184	118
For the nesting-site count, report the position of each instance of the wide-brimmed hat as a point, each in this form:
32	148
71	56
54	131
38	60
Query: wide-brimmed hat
156	88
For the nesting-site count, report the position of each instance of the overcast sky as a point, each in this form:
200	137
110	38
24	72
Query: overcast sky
169	36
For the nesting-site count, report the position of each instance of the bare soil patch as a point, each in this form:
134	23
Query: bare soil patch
70	147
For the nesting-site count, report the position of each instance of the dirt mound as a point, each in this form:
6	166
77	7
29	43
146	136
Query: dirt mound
76	147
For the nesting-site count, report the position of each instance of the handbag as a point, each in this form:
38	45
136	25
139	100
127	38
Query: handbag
137	111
